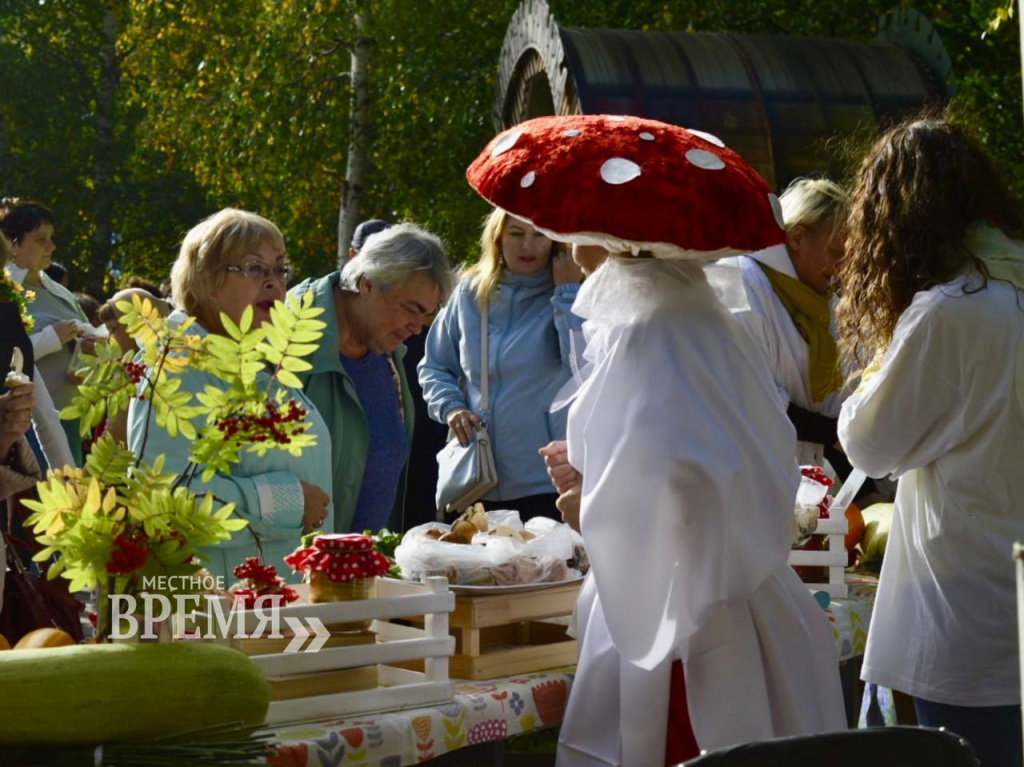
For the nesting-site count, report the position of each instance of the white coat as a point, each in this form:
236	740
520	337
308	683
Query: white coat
785	350
45	418
945	414
689	485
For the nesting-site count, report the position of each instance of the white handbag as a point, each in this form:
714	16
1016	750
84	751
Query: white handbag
466	473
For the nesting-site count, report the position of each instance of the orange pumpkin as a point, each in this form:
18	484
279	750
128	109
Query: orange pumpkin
854	526
40	638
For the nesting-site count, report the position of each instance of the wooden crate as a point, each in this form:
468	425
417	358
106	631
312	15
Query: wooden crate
834	557
501	634
360	673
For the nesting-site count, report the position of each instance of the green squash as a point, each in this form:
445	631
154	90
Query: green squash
877	522
90	694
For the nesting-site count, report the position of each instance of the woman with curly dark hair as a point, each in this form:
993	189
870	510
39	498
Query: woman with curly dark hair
932	289
59	320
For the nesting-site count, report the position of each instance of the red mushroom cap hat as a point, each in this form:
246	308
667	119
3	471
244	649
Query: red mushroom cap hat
629	184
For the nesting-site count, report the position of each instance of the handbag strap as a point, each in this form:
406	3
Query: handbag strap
485	404
13	560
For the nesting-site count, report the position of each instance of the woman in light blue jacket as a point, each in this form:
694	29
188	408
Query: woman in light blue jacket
528	285
230	261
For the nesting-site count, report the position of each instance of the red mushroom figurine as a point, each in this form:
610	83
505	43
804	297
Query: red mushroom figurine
629	184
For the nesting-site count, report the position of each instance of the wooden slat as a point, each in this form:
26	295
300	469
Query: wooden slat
819	558
832	525
267	646
494	610
514	660
339	612
470	641
284	664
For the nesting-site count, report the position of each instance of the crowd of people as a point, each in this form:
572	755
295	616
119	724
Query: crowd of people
881	329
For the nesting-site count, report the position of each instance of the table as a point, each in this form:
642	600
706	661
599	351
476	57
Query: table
850	617
481	712
489	711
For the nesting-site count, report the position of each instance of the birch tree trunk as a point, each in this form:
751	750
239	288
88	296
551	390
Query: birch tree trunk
1020	21
6	168
353	185
104	155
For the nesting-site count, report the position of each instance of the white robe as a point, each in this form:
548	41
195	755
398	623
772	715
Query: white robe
945	414
785	350
689	484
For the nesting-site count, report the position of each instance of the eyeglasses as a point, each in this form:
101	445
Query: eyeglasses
259	272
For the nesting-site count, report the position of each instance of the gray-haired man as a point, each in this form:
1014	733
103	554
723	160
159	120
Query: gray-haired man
381	296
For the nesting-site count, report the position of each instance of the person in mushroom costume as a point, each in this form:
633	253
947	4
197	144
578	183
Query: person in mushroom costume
686	458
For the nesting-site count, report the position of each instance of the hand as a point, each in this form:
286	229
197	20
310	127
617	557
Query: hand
87	344
564	270
556	457
16	410
314	505
569	504
463	424
67	330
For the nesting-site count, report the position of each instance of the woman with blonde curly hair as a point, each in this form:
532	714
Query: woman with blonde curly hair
932	296
524	285
230	262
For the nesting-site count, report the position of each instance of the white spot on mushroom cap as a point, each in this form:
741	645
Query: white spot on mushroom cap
506	142
704	160
528	179
617	118
618	170
708	137
571	132
647	136
777	210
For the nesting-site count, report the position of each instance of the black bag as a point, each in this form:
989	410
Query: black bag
31	602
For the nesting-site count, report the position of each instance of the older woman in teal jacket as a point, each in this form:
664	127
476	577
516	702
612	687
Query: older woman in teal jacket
381	297
230	261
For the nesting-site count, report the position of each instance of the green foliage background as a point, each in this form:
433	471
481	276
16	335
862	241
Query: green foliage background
245	103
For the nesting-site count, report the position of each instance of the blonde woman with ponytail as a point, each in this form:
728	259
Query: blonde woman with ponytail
789	290
526	284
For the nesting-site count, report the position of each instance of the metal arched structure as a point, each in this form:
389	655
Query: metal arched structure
775	100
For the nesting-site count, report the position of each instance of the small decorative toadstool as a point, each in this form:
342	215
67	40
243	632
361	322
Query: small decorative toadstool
629	184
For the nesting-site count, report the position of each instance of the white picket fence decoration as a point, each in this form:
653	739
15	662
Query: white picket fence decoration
398	688
833	557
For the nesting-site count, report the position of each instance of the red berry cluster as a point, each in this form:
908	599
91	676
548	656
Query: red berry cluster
260	580
135	371
272	426
127	555
257	572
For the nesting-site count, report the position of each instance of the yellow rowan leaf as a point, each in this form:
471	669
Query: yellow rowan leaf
93	499
287	378
295	364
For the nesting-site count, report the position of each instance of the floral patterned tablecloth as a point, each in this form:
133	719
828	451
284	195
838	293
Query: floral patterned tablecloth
481	712
488	711
849	618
